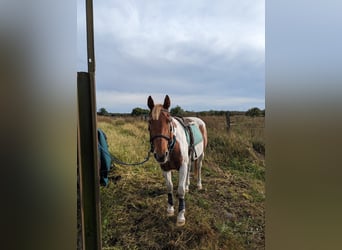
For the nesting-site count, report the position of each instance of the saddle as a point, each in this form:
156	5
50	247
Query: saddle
192	133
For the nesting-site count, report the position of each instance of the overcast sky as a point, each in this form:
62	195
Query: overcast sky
206	55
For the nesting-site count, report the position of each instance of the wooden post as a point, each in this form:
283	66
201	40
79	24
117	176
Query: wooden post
90	36
80	214
90	186
88	168
228	120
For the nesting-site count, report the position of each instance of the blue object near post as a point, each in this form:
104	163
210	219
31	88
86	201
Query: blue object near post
105	158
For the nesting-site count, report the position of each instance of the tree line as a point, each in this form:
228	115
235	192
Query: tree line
178	111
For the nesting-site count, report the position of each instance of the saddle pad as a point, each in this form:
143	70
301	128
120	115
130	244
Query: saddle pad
196	133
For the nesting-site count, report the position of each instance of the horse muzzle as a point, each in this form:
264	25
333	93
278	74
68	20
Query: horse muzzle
161	158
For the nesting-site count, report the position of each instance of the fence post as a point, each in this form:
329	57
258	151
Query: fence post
228	120
80	215
89	168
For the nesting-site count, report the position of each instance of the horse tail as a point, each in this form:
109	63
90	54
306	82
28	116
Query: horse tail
203	130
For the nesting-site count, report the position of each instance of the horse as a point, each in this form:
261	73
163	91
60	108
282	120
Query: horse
177	144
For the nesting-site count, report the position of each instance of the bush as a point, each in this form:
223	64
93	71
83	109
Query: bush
139	111
177	111
253	112
103	111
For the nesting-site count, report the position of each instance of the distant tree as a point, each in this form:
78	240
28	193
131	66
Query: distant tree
139	111
103	111
253	112
177	111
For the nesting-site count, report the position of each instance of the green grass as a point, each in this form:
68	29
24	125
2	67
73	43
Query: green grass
227	214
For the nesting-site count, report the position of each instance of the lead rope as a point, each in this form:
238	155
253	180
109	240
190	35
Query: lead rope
116	160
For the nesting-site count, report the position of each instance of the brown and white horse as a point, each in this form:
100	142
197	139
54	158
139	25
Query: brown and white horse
172	149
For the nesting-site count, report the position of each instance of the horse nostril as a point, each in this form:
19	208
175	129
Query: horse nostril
160	158
166	153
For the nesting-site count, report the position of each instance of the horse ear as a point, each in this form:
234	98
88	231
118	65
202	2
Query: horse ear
150	102
167	102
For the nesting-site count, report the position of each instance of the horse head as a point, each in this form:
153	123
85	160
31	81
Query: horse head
161	129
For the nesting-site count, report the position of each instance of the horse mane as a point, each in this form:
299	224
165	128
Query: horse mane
155	113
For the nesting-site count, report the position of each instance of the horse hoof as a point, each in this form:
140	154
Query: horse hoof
180	223
181	218
170	212
199	187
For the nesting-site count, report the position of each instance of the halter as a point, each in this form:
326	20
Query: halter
170	141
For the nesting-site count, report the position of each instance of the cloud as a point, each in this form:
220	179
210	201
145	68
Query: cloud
183	48
148	29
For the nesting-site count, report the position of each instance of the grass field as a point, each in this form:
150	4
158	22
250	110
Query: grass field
229	213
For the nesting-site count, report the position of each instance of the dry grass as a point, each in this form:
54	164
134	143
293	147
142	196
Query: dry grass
227	214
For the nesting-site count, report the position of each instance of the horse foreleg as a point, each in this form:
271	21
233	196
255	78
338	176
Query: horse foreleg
183	171
169	185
